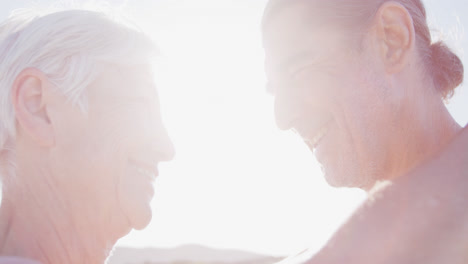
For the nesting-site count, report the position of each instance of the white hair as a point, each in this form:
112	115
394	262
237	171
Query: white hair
70	47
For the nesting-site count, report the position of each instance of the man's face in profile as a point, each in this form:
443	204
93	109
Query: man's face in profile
107	158
332	94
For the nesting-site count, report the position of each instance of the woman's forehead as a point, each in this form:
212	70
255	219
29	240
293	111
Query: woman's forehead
123	81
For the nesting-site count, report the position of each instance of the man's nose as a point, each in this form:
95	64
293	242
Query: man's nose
165	147
286	111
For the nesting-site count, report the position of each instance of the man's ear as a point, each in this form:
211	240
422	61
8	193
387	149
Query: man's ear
30	101
395	35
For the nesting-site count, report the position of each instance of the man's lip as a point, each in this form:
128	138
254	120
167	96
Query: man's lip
151	167
312	132
315	140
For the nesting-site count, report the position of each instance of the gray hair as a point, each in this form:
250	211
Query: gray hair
71	48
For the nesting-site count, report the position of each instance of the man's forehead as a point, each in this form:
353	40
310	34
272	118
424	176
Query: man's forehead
290	35
275	8
298	49
284	47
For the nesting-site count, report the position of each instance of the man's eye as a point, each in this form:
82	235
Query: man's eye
270	88
298	72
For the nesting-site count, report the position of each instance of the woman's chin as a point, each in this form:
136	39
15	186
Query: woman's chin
139	219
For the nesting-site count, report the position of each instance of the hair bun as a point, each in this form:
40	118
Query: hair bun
447	69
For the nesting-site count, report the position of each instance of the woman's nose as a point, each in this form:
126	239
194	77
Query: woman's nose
166	150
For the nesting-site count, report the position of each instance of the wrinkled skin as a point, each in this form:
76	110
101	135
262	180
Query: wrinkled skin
419	218
378	124
82	180
386	131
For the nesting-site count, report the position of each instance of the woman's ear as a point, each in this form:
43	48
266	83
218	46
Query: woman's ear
395	35
30	104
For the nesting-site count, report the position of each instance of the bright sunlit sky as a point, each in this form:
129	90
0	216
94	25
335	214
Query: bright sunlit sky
237	181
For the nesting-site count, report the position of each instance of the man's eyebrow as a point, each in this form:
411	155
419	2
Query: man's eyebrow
301	58
298	58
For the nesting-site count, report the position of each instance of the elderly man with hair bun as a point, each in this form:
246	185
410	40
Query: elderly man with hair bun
81	136
362	82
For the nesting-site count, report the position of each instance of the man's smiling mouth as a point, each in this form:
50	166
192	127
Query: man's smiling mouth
147	169
314	141
313	132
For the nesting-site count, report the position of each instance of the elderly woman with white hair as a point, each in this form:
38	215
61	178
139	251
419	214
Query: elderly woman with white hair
81	136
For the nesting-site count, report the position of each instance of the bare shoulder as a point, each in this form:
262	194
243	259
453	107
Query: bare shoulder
299	258
419	218
16	260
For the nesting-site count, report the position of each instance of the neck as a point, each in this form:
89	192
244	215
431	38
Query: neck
428	130
40	227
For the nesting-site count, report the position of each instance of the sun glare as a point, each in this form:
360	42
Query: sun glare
236	181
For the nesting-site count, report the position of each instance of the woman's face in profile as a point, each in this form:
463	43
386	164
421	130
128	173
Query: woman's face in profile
332	93
108	157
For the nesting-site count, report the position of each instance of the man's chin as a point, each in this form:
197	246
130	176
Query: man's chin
140	220
347	179
337	178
